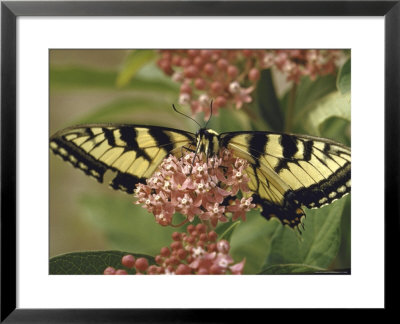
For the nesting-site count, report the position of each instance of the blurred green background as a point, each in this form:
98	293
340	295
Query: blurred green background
90	86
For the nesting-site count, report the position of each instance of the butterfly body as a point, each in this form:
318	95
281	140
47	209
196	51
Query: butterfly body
207	141
286	172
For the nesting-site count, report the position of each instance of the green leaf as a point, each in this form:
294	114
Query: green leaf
343	81
229	121
82	78
291	269
128	227
267	101
333	105
337	129
227	233
91	262
317	246
252	240
307	93
343	259
133	110
133	63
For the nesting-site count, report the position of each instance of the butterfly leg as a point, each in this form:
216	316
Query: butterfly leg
189	149
195	153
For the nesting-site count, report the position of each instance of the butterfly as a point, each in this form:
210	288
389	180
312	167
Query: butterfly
287	172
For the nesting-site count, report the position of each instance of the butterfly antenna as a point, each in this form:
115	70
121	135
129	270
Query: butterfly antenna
210	113
176	110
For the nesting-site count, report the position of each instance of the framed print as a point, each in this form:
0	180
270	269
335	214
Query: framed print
219	190
238	154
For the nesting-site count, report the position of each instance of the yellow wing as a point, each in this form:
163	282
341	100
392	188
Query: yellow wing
288	172
132	151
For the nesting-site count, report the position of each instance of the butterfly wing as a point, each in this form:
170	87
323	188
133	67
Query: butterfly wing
288	172
133	152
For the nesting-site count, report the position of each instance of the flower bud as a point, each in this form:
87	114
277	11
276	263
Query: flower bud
109	271
128	261
141	264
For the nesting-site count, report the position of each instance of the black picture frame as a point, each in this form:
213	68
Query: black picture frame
11	10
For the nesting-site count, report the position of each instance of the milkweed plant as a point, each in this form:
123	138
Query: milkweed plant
206	200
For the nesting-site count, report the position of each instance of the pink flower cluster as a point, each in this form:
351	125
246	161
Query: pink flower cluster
226	76
298	63
193	185
229	76
194	252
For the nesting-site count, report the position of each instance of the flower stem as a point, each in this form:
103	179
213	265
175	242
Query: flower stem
181	224
290	110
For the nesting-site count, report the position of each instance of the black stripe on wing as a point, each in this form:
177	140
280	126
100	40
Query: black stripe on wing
317	171
132	151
